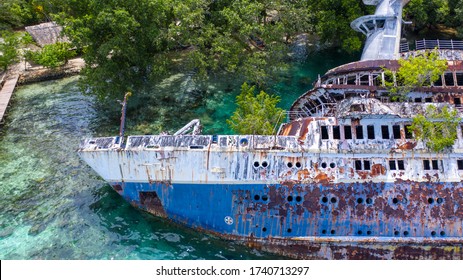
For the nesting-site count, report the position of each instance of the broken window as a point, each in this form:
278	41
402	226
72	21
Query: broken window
396	165
366	165
438	83
460	164
371	131
431	164
336	132
347	132
324	129
396	131
359	131
460	79
448	78
400	165
385	131
408	132
358	165
457	101
426	165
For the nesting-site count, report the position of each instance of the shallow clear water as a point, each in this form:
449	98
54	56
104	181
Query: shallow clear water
55	207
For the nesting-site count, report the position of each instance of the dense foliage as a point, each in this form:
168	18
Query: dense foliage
256	114
438	128
9	43
53	55
415	71
429	14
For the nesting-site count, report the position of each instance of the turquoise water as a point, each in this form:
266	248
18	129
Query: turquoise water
55	207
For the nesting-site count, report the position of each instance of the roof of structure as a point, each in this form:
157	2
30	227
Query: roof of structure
46	33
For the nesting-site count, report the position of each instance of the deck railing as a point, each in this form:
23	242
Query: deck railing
439	44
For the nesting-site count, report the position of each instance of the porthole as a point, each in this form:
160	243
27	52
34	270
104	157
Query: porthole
369	232
298	165
256	197
264	198
290	198
442	233
369	200
332	165
440	200
430	200
325	199
289	164
324	231
433	233
406	233
359	200
244	142
324	165
359	232
298	198
333	200
396	233
256	164
264	229
333	231
395	200
264	164
289	230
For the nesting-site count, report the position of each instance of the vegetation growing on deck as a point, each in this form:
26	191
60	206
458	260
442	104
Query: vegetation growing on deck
256	114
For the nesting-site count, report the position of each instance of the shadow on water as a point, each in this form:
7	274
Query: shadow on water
56	207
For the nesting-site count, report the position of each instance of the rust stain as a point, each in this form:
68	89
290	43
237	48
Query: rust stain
407	146
378	169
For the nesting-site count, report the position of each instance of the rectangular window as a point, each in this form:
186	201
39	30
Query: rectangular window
396	131
366	165
371	131
408	132
392	165
448	78
385	131
336	132
460	164
457	101
435	164
426	165
418	99
347	132
359	131
400	165
324	132
460	79
429	99
358	165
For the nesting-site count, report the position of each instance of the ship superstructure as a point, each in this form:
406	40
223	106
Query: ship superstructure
345	178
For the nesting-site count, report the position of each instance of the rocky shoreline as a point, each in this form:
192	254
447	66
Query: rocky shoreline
38	74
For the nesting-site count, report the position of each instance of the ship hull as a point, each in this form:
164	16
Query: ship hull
403	220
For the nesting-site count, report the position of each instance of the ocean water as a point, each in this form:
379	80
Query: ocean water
53	206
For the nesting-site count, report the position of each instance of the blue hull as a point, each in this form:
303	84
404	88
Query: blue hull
404	210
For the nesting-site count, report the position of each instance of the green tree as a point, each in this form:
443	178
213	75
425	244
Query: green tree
438	128
53	55
128	42
416	71
9	43
427	13
332	19
256	114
